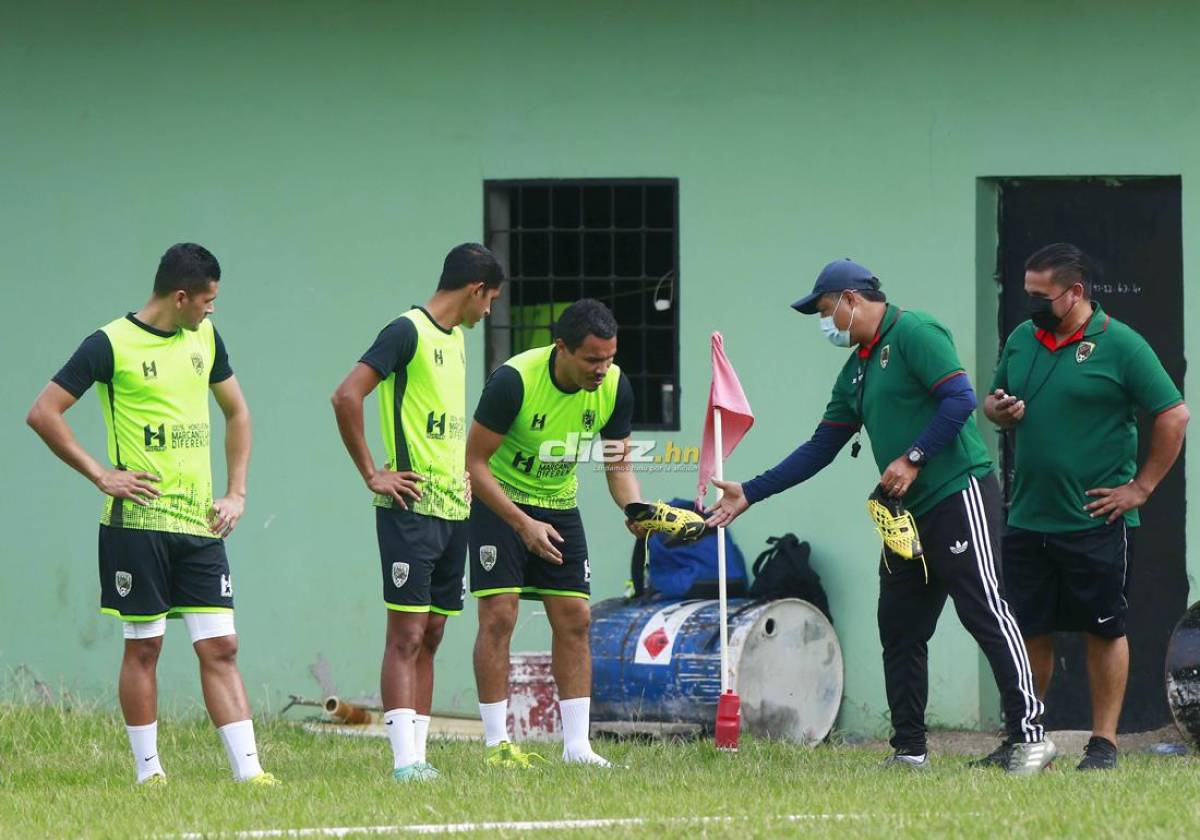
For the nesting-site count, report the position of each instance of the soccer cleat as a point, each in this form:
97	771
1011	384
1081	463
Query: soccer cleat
678	525
511	757
418	772
1099	754
996	758
263	780
157	780
896	527
900	761
1028	759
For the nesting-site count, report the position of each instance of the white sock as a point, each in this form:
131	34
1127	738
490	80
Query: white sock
495	722
401	733
238	738
576	717
420	734
143	740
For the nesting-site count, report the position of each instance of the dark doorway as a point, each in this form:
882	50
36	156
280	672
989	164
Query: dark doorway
1133	227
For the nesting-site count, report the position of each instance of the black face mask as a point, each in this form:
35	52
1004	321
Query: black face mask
1042	315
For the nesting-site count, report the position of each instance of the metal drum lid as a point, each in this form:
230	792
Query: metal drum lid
788	671
1183	674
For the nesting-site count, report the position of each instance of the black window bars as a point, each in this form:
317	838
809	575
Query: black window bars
616	240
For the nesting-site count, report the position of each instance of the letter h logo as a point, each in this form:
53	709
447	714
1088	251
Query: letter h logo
156	439
435	422
523	462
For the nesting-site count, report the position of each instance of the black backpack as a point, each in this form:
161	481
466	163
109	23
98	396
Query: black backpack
783	571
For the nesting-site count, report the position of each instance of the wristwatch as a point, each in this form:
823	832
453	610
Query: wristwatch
916	457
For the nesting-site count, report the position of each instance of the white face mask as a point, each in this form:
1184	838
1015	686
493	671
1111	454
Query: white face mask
838	338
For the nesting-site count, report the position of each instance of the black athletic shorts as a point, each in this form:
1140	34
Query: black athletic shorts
500	562
1076	581
146	575
423	559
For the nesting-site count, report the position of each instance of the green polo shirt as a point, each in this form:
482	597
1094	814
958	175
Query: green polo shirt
887	388
1079	431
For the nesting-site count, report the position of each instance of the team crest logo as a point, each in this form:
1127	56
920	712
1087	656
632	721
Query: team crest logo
885	355
198	364
1084	351
487	557
589	420
399	574
124	583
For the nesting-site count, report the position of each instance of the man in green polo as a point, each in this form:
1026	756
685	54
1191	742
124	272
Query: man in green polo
1073	371
539	413
905	385
422	497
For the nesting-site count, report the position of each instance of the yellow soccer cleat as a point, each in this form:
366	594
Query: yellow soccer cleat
678	525
896	527
511	757
157	780
263	780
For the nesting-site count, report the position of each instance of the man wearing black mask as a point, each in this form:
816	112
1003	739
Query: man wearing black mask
1067	385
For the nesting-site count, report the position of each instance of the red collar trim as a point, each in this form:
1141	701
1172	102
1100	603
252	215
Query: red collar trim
1048	340
1052	344
864	350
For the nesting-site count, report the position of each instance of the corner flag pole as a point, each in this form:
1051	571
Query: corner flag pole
722	595
726	402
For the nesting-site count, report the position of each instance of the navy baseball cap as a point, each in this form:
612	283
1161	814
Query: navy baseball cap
838	276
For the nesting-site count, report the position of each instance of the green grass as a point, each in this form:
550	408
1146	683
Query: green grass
68	773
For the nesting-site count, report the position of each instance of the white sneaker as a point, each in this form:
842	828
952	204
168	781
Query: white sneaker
1028	759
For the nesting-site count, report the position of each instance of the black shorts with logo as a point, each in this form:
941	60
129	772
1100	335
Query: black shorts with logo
146	575
500	562
1076	581
422	559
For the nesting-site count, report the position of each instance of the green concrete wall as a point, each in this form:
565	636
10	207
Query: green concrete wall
330	153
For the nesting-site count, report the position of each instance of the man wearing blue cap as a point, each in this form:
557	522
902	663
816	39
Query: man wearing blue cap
905	385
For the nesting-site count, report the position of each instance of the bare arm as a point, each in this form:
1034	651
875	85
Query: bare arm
1166	440
622	483
347	403
46	417
228	509
538	537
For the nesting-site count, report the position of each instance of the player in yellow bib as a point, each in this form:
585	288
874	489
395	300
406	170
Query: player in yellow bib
162	549
538	412
422	499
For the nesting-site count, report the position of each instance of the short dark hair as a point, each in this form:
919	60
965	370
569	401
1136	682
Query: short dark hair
186	266
1067	264
583	318
470	263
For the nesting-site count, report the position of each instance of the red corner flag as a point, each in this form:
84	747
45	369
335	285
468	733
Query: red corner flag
726	394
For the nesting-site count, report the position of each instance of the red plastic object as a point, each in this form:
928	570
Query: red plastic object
729	721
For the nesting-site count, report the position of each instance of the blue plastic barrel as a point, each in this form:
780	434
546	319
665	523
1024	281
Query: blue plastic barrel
660	663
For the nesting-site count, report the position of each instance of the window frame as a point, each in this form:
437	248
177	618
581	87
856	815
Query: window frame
493	185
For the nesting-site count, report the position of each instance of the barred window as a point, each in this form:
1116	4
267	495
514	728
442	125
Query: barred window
613	240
